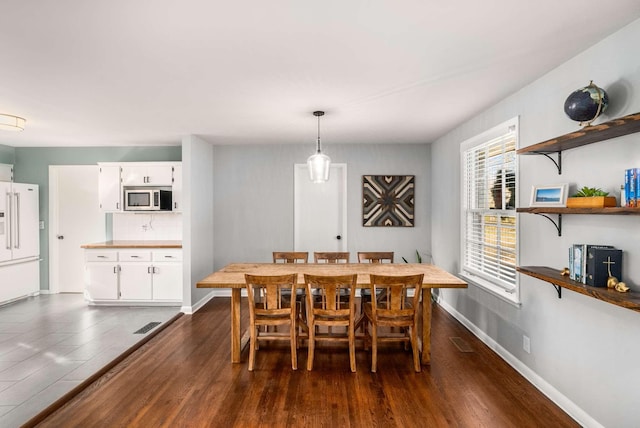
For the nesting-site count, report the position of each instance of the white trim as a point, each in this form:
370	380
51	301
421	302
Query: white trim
189	310
513	298
571	408
54	257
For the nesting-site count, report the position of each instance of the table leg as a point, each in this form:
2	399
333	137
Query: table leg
235	325
426	326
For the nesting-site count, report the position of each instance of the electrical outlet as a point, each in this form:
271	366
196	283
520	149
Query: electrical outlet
41	224
526	344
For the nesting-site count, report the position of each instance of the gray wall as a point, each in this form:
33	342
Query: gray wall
7	154
31	165
198	214
584	352
253	198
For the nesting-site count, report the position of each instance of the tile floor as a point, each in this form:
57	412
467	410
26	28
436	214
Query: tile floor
51	343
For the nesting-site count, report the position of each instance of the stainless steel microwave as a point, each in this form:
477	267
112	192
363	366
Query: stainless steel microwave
147	199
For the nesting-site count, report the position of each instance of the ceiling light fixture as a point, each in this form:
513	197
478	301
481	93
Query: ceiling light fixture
9	122
318	163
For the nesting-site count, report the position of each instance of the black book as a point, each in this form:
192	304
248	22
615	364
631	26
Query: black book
600	263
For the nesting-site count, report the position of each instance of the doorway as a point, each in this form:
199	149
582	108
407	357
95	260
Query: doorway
74	219
320	210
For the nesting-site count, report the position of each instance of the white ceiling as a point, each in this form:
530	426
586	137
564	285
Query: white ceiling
148	72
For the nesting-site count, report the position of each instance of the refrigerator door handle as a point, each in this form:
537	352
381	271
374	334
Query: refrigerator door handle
9	222
17	221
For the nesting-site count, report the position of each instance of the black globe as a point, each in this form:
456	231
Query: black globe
582	104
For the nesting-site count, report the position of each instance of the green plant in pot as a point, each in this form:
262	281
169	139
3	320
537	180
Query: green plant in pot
591	197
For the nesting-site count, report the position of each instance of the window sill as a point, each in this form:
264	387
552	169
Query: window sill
499	292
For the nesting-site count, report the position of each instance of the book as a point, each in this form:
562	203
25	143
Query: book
577	262
631	187
602	263
588	262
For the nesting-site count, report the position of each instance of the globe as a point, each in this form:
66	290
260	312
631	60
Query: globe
586	104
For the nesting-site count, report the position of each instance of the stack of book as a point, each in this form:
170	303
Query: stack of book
593	264
632	187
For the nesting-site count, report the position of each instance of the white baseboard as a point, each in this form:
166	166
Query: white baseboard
573	410
190	310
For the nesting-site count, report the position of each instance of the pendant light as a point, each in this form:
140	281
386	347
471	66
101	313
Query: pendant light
318	163
9	122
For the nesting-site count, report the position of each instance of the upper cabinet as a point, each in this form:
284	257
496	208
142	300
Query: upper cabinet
147	175
6	172
109	194
114	176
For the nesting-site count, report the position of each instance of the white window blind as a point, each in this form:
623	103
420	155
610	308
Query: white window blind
489	200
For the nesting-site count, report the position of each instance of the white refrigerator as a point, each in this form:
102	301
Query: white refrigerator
19	241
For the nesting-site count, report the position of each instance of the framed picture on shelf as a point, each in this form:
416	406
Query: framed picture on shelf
549	196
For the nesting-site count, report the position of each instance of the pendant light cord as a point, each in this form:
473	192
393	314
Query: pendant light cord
318	114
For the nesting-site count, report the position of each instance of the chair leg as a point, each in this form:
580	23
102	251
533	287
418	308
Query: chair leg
312	346
374	348
252	348
416	351
294	345
352	348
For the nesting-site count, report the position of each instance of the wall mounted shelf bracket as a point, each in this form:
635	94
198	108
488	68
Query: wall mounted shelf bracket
557	224
557	163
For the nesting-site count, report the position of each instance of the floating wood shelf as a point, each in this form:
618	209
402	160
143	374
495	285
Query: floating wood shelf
629	300
588	135
562	210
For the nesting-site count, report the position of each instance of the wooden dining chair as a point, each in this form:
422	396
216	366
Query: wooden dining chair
372	257
327	308
268	307
394	309
331	257
290	256
295	257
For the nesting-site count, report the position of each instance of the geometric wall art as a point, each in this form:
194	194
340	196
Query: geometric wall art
387	200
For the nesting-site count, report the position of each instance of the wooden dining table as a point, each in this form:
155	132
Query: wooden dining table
232	276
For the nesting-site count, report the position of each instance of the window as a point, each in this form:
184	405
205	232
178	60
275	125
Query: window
489	222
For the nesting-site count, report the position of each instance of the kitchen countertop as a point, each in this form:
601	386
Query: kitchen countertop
133	244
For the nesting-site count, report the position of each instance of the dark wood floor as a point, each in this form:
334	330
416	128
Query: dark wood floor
183	377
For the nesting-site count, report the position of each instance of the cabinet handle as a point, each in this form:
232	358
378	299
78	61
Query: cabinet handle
175	205
102	257
135	257
149	269
117	205
115	269
168	257
155	269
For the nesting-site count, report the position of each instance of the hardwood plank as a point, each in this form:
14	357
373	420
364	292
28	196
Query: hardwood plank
183	377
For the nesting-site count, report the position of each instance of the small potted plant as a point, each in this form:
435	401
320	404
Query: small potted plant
591	197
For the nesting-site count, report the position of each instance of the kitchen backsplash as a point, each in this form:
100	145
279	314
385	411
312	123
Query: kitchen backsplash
147	227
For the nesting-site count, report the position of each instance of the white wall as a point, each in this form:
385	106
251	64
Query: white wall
147	226
253	198
584	353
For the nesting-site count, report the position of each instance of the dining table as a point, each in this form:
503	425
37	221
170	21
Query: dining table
232	276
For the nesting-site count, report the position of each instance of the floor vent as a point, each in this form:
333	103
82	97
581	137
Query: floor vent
147	327
461	344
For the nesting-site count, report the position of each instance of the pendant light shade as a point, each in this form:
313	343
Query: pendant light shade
9	122
319	163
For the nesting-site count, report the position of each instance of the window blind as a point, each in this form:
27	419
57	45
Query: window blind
489	192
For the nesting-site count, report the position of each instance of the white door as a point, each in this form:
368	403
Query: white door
320	211
74	219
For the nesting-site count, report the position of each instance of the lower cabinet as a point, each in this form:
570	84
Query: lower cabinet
133	276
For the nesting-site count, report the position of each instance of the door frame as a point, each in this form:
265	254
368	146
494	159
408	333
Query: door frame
341	166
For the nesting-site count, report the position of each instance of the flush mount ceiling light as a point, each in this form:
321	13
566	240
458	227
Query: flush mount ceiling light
9	122
318	163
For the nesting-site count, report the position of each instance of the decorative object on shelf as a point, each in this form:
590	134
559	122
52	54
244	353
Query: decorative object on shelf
9	122
319	163
549	196
631	185
565	271
584	105
388	200
591	197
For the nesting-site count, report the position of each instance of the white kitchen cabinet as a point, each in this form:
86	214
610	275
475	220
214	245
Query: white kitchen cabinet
6	172
101	275
176	189
109	193
167	275
147	174
133	276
